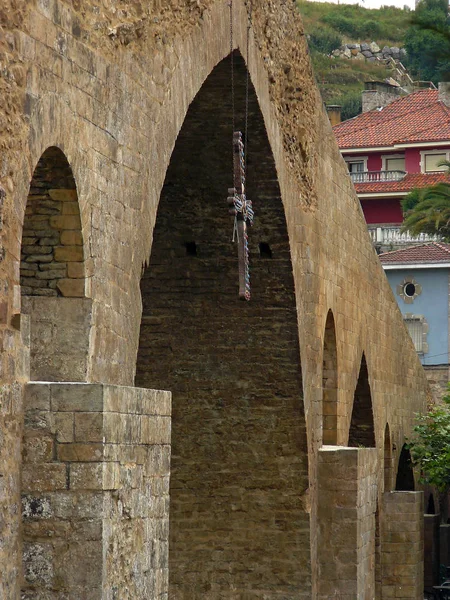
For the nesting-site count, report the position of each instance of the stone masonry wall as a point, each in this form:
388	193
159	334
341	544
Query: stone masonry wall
239	448
52	244
402	545
95	492
110	84
346	520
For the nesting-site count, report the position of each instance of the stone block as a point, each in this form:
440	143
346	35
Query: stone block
89	427
155	430
71	238
48	477
69	253
71	288
64	427
63	195
77	452
75	270
76	397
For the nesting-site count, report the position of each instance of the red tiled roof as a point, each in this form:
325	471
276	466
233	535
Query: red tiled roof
418	117
408	183
432	252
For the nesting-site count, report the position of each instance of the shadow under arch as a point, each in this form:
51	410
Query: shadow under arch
52	273
362	431
388	466
405	475
330	383
239	448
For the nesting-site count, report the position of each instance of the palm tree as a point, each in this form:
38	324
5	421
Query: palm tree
427	210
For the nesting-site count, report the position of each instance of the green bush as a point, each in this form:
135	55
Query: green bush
325	40
351	105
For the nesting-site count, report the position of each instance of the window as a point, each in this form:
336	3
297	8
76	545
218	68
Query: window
409	289
356	164
356	167
395	163
430	161
418	329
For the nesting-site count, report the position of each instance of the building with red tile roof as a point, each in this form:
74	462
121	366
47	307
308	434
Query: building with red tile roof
393	149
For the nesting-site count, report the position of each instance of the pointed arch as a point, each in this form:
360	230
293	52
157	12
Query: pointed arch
405	474
388	467
52	274
431	506
362	430
238	430
330	383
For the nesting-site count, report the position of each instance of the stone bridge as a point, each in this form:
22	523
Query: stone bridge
280	445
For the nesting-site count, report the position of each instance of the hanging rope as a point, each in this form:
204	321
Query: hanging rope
247	83
232	62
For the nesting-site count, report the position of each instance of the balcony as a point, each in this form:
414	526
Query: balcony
391	236
377	176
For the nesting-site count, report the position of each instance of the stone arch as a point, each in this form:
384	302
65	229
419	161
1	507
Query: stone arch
52	274
405	474
330	383
430	506
239	447
388	467
362	431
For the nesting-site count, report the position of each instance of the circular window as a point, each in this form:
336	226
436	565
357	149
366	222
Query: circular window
409	290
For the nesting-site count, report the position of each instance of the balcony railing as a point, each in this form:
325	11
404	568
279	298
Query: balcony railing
386	236
377	176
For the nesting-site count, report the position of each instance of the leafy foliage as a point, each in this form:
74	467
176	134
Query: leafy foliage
351	105
387	24
427	42
427	210
325	40
430	446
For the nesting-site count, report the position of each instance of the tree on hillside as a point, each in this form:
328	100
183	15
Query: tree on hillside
427	210
427	41
430	449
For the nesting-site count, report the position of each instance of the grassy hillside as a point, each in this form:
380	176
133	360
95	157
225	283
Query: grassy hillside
386	25
329	25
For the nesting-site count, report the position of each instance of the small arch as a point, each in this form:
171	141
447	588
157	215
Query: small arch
52	259
387	459
362	430
329	382
52	273
405	475
431	507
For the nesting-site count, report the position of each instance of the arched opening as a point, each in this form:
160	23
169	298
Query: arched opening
405	474
362	432
239	449
388	469
52	274
431	508
329	383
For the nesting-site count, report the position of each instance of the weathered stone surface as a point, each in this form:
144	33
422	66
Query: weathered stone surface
112	106
107	509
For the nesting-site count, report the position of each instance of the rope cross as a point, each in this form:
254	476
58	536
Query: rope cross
241	209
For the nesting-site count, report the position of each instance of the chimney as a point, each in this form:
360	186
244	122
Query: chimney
444	92
334	114
378	94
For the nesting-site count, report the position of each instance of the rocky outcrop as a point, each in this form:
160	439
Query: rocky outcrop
370	52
